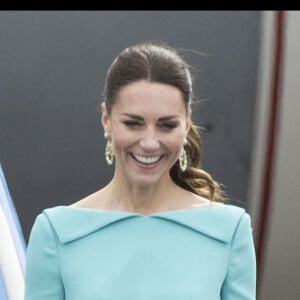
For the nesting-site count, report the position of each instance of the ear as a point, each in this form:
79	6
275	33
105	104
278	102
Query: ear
188	120
105	118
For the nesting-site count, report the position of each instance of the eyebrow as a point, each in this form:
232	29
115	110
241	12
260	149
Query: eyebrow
140	118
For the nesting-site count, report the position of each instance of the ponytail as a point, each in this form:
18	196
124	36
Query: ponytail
194	178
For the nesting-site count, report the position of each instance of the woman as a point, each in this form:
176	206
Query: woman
159	229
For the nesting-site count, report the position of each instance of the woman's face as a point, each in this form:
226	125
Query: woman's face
147	127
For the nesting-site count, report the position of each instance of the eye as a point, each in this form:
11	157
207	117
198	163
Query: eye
132	123
168	125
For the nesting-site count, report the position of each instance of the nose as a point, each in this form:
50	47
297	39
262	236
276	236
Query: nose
149	142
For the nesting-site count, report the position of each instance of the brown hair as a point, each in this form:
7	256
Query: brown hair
157	62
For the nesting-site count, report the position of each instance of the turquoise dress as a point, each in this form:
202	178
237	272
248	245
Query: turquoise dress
185	254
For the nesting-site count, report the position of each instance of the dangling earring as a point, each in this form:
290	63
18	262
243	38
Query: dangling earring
183	158
109	155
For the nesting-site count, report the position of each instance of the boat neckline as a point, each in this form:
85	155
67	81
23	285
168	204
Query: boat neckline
110	211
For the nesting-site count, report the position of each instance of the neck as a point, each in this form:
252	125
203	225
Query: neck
128	197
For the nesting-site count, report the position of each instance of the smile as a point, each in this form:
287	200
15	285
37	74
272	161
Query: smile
146	159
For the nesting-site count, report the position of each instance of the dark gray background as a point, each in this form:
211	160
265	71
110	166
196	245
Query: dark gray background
52	70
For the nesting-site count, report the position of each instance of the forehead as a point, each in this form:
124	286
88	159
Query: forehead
144	96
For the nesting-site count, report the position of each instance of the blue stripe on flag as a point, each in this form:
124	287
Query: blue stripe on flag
3	295
13	220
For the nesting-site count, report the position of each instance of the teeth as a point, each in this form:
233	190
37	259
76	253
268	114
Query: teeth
146	159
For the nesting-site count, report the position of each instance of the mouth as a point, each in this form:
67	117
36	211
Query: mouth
146	160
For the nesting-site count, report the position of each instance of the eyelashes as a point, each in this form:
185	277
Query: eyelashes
163	125
132	123
169	125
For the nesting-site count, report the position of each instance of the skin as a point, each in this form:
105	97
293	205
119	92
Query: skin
147	127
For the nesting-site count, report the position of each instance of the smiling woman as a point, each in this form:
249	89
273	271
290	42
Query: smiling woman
160	207
147	127
161	64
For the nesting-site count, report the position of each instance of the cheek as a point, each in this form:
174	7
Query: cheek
173	141
122	138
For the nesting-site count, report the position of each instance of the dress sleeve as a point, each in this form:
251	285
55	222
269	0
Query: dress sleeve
42	272
240	282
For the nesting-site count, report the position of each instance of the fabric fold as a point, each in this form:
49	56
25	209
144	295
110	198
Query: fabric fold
84	221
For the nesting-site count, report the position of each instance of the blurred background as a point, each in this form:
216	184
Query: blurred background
246	71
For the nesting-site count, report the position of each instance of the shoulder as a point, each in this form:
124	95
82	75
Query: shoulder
42	231
42	224
237	222
239	214
69	223
229	210
231	219
219	222
231	216
220	212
